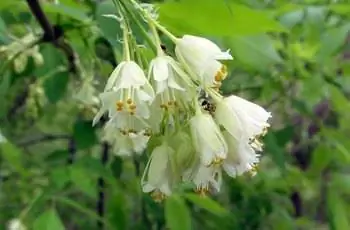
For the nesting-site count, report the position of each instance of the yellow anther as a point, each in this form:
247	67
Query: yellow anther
129	101
216	161
132	113
120	109
202	191
158	196
119	104
132	107
123	132
218	76
170	103
253	170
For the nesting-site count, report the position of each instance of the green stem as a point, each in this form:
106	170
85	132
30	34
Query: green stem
126	42
80	208
138	23
156	38
154	22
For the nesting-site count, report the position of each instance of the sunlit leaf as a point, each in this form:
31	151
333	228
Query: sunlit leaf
177	214
233	19
48	220
206	203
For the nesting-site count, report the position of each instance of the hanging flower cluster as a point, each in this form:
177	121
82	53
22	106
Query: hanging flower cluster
197	137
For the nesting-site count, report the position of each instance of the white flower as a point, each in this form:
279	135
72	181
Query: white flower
207	179
242	119
126	142
201	56
157	177
241	157
127	90
15	224
170	80
208	140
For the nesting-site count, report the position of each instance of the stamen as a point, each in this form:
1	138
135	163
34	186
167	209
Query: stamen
158	196
129	101
132	107
253	170
202	190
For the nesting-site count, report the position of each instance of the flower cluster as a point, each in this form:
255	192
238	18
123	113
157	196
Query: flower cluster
197	137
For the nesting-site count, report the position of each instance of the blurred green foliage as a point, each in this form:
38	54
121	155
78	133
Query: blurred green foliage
292	57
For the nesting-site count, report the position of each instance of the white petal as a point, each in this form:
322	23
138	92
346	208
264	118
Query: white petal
160	68
173	84
114	77
223	56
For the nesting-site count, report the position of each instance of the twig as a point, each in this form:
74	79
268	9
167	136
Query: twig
53	34
72	149
47	137
101	188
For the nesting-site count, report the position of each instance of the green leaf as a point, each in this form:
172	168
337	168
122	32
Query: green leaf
11	154
59	177
116	207
83	180
321	157
206	203
109	27
84	134
277	153
68	11
338	211
48	220
255	51
55	85
53	59
177	215
332	40
230	19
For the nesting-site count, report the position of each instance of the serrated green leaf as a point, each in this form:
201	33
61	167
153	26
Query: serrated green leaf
48	220
332	40
338	212
177	215
84	134
109	27
65	10
55	85
79	177
230	19
255	51
59	177
12	155
321	157
277	153
206	203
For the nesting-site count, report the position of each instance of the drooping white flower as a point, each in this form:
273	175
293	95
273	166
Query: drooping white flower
241	156
207	179
157	174
127	90
242	119
126	142
202	57
169	79
16	224
208	140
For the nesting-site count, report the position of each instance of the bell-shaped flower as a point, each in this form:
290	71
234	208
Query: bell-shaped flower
127	90
244	120
241	157
208	140
207	179
157	175
168	77
202	56
126	142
